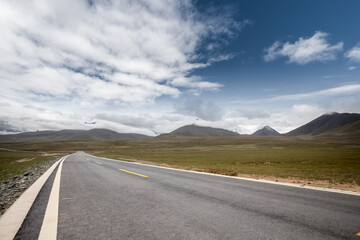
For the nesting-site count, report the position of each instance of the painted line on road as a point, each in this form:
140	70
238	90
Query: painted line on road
98	162
133	173
241	178
49	226
13	218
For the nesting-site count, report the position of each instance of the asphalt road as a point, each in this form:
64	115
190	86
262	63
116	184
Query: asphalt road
99	201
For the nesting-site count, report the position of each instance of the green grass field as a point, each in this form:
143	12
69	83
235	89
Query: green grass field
17	163
334	161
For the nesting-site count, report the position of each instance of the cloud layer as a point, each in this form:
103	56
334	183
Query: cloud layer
104	51
66	62
344	90
305	50
208	111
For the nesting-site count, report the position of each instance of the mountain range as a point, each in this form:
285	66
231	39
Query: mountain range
328	123
334	124
199	131
63	135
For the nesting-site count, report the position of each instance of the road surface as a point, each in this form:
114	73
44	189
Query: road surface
102	199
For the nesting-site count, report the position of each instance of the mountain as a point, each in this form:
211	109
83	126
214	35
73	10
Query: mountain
325	123
266	131
93	134
351	129
199	131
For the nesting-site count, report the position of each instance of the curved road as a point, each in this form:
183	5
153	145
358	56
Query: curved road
103	199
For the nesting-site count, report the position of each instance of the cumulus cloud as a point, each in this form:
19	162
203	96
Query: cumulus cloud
354	53
204	110
305	50
67	62
105	51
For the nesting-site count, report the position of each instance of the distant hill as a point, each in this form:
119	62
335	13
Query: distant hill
351	129
199	131
325	123
266	131
62	135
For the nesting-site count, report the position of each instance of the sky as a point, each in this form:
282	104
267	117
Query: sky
151	66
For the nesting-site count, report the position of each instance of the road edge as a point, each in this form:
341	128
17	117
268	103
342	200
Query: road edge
49	226
332	190
12	219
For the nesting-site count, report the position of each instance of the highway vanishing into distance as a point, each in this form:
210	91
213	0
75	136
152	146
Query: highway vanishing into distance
104	199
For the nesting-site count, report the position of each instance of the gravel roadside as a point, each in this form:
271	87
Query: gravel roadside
12	188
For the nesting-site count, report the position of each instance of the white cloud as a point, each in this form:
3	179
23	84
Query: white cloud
335	76
151	120
336	91
293	110
252	114
117	51
305	50
142	120
304	108
354	53
208	111
351	68
67	62
346	91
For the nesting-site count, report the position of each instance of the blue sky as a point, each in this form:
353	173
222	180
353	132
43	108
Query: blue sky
287	21
152	66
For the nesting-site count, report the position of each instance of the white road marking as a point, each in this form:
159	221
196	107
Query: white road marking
241	178
49	227
12	219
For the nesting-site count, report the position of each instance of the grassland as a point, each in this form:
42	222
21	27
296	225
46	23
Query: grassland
17	163
333	161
